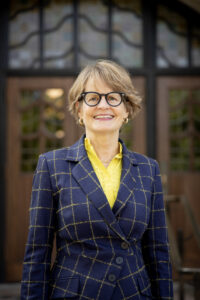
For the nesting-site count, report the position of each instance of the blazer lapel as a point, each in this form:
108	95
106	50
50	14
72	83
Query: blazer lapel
129	181
85	176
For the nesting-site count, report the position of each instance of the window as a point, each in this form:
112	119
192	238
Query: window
23	34
172	30
42	124
69	34
178	39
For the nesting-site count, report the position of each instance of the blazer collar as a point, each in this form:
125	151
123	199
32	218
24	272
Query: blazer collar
77	151
85	176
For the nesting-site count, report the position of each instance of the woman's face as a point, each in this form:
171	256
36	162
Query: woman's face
102	118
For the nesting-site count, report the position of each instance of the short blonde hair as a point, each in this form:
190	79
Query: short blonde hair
114	76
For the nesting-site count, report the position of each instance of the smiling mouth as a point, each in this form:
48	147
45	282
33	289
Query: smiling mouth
103	117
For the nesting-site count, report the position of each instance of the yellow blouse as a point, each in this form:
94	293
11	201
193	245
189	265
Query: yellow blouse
109	177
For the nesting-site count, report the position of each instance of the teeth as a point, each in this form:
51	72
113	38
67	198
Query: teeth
103	117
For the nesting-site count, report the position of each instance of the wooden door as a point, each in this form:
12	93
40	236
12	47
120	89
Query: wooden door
178	149
38	121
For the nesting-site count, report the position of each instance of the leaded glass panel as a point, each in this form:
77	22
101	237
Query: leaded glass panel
42	115
29	154
23	34
127	33
171	38
53	144
68	34
184	128
58	34
93	31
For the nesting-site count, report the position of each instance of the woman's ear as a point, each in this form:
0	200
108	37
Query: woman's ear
77	105
78	108
127	113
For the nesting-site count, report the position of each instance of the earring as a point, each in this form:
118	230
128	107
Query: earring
126	120
80	122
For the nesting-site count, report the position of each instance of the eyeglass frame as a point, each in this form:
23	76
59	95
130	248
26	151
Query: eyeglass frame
82	96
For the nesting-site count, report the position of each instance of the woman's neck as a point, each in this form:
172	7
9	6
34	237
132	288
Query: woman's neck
105	146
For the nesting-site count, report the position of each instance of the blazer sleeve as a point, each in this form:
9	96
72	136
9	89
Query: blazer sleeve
155	244
37	259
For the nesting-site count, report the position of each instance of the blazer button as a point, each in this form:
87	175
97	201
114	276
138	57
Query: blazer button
111	277
124	245
119	260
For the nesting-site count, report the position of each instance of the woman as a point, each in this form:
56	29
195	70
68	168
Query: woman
103	202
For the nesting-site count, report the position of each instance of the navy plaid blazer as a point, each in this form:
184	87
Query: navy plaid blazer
102	253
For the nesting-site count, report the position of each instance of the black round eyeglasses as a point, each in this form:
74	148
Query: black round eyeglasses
93	98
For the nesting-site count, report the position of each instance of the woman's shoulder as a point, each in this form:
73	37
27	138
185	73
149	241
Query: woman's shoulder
140	158
73	152
55	154
147	165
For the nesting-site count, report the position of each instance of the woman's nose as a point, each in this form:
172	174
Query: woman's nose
103	102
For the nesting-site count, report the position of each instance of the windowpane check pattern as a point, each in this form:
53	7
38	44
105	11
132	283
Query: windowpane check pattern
101	253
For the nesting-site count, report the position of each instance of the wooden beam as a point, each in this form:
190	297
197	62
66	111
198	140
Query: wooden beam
194	4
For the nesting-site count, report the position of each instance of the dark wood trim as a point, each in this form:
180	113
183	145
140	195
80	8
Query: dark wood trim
149	33
4	15
75	34
110	50
183	9
189	44
135	72
178	72
41	35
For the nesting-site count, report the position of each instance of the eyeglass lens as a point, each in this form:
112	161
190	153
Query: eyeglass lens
93	99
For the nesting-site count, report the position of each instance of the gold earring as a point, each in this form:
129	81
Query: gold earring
126	120
81	122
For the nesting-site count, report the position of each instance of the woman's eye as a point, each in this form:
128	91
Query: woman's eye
94	99
112	98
